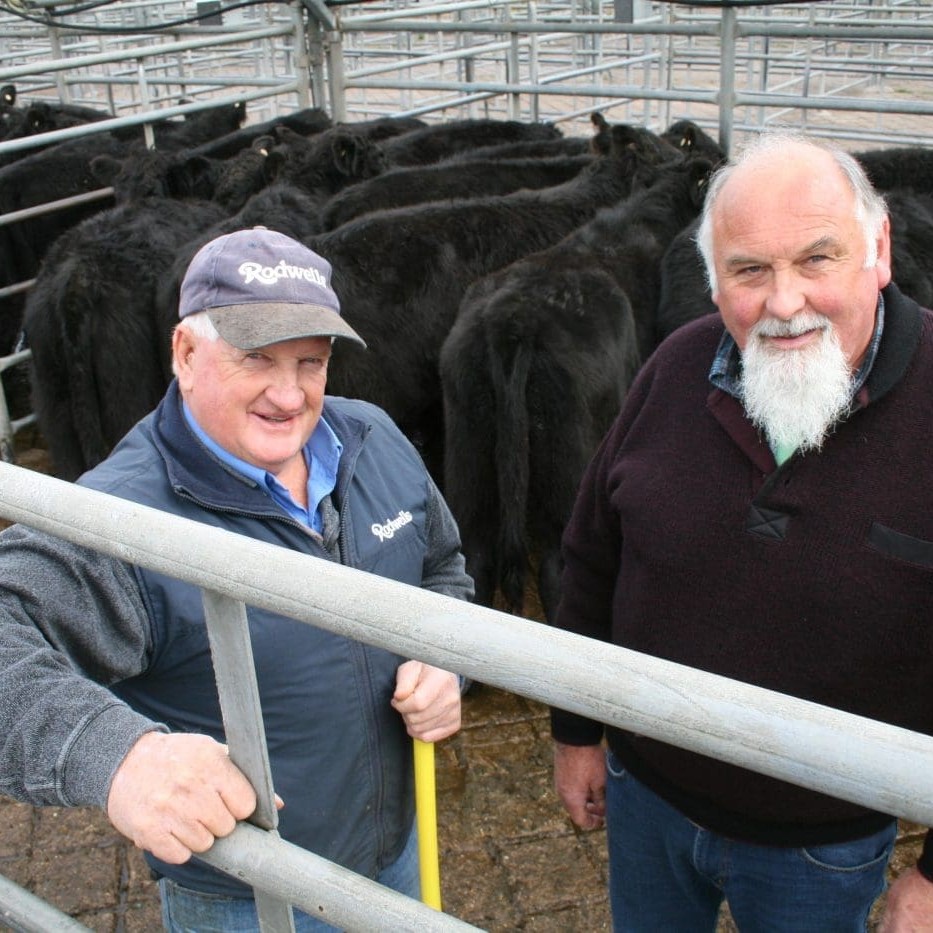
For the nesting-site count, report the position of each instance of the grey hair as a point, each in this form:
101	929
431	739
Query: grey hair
198	325
870	207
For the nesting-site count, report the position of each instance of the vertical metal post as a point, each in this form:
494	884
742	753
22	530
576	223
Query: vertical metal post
148	131
337	82
726	95
512	73
533	75
235	673
301	42
7	447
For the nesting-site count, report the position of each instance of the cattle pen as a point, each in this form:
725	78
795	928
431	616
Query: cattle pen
856	71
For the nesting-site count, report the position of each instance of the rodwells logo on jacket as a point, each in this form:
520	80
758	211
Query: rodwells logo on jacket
269	275
387	531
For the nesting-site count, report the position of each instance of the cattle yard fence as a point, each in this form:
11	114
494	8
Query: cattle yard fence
874	764
857	71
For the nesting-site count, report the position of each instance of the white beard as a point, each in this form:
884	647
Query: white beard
795	396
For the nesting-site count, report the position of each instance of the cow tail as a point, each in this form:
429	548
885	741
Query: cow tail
79	311
512	471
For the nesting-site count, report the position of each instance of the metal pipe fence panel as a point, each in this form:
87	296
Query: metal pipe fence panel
880	766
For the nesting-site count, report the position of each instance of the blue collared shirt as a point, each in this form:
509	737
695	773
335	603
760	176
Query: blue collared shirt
726	371
322	456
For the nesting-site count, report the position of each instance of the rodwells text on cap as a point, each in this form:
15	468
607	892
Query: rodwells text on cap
269	275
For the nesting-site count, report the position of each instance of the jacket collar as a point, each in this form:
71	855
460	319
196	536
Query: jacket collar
898	345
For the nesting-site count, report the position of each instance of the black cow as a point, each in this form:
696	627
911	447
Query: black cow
433	143
305	122
445	181
906	167
329	161
685	293
686	136
98	362
61	171
401	274
529	149
534	370
382	128
195	129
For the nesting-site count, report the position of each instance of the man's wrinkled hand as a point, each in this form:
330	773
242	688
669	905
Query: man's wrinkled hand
428	699
175	793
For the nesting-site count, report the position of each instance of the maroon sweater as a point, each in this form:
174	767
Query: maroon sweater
814	579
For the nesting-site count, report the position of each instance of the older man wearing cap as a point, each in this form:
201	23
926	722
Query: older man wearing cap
107	694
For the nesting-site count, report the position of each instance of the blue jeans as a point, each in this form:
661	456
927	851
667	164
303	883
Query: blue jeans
666	873
187	911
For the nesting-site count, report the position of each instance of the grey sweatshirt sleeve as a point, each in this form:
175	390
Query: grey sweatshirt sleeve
72	621
444	564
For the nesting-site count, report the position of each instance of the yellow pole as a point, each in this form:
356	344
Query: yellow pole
426	814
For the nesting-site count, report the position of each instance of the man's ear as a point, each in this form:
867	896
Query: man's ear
883	265
183	345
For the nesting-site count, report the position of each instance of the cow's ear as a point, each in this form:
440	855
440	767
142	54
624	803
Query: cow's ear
8	94
263	144
700	171
105	168
346	150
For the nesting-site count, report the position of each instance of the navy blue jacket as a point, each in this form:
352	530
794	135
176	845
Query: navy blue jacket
339	753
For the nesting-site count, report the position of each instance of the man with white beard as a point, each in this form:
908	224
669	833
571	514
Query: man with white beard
761	510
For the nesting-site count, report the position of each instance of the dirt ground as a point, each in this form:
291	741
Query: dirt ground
510	858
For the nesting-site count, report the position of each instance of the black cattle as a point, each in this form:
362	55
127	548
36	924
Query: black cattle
907	167
305	122
382	128
143	173
530	149
401	274
59	172
433	143
199	127
684	294
911	215
38	118
98	361
328	162
446	181
686	136
534	370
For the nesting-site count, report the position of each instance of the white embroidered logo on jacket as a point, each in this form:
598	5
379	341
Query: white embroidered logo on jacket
387	531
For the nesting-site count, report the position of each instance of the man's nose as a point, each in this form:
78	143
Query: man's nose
284	389
785	297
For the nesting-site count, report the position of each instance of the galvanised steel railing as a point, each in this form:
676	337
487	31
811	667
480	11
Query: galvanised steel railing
880	766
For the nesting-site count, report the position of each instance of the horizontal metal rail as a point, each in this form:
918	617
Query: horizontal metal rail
319	887
851	757
143	117
22	910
